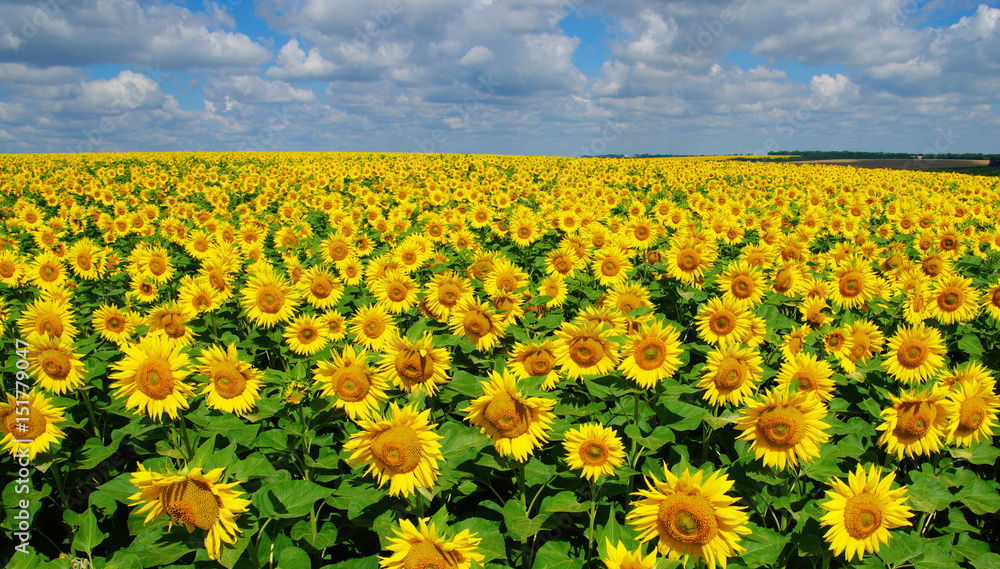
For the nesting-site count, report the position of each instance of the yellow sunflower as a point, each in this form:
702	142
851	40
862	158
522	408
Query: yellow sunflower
861	512
611	266
583	349
807	374
372	326
113	324
688	259
975	411
731	375
445	291
306	334
854	281
783	428
866	342
268	298
12	268
53	362
422	547
619	557
722	322
953	299
788	279
234	385
742	283
85	259
194	500
690	516
563	262
915	353
991	300
554	287
478	323
152	376
595	449
401	448
320	287
504	276
415	366
535	359
196	295
33	432
516	424
652	354
153	262
347	377
395	290
46	272
46	317
916	422
793	342
170	321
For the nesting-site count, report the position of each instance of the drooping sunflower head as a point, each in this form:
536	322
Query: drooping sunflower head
516	424
861	512
594	449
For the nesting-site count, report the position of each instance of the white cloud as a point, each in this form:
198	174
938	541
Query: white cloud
478	55
126	92
294	63
251	89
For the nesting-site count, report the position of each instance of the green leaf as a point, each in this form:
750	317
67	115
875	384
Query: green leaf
254	466
519	525
927	494
293	558
554	554
659	437
984	453
326	537
902	546
935	557
492	545
980	497
123	560
564	501
204	451
763	546
825	468
96	452
289	499
970	548
686	417
971	345
88	535
370	562
230	554
461	442
987	561
614	532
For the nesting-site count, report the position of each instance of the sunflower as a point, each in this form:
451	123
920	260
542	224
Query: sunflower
793	342
783	427
372	326
611	266
516	424
234	385
838	343
916	422
33	432
595	449
268	298
742	283
626	297
445	291
688	259
192	499
306	334
413	547
347	377
196	296
788	279
807	374
854	279
691	516
46	317
599	317
584	349
915	353
46	272
395	290
861	512
975	409
320	287
535	359
152	376
416	365
730	375
85	259
153	262
169	321
651	354
866	342
554	287
53	362
113	324
953	299
722	322
478	323
619	557
12	268
504	276
991	300
401	449
563	262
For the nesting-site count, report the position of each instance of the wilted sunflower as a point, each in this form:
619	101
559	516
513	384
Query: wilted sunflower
652	354
619	557
372	326
953	299
55	365
742	283
268	298
415	366
401	449
347	377
535	359
478	323
194	500
690	517
730	375
584	349
783	428
807	374
516	424
595	449
234	385
395	290
916	422
46	317
722	322
861	512
423	548
975	410
915	353
152	376
306	334
33	432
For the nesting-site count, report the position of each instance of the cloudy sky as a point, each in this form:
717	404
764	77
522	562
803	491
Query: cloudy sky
541	77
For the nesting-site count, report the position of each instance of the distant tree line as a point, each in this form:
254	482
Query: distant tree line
856	155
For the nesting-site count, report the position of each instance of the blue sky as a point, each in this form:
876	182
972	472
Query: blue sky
543	77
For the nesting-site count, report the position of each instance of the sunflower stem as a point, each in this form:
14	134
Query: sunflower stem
184	437
90	412
306	447
593	515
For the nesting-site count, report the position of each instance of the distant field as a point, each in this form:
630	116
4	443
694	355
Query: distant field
902	164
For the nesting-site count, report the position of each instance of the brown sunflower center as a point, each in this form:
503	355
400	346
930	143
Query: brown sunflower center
396	292
27	428
55	363
399	448
851	284
524	232
783	281
806	380
722	322
154	378
424	555
352	385
539	363
49	324
627	302
688	259
307	335
115	324
950	300
49	272
995	298
781	428
730	374
915	418
192	502
270	299
688	519
507	283
477	323
651	352
373	327
862	515
742	287
321	287
507	415
83	261
835	341
448	295
561	265
610	267
586	351
7	269
414	367
912	353
228	379
594	453
971	414
157	266
173	325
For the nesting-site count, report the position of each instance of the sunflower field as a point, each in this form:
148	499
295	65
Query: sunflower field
296	360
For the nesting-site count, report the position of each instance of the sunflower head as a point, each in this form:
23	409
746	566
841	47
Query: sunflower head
516	424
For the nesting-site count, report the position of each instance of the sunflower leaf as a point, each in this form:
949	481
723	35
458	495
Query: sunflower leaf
289	499
492	545
935	556
763	546
902	547
980	497
985	453
971	345
88	535
519	525
927	494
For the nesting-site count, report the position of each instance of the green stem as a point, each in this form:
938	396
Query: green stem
593	515
57	477
90	412
184	436
306	444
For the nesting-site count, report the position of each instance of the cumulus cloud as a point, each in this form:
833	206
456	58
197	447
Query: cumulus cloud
294	63
126	92
251	89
